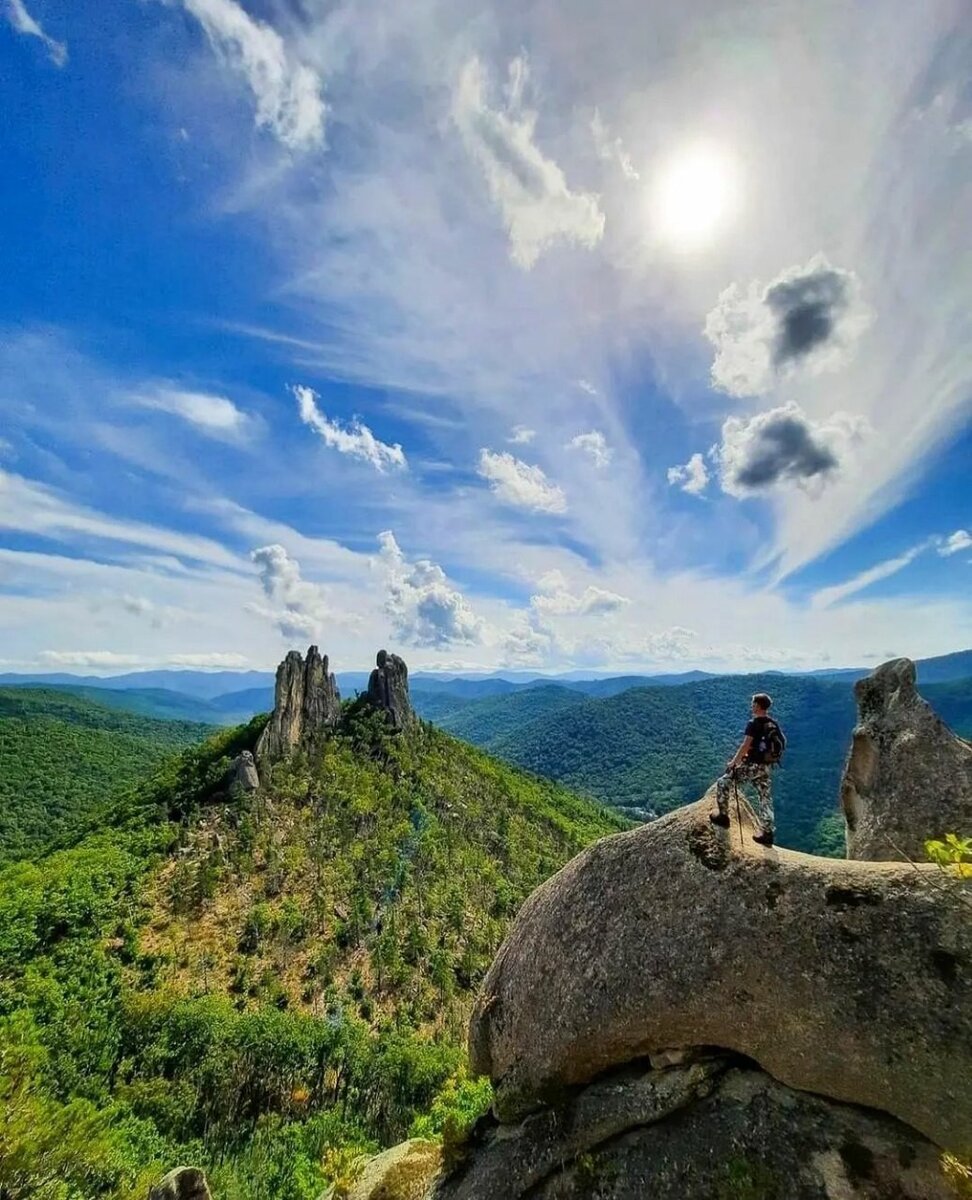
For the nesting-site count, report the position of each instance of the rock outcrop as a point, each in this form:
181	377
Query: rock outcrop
849	979
404	1172
306	703
388	690
908	777
243	773
184	1183
716	1128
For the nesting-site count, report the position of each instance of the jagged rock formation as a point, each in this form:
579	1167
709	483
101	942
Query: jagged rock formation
306	702
908	777
184	1183
243	773
715	1128
388	690
849	979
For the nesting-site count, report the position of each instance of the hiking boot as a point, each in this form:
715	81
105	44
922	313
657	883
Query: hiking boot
765	838
720	819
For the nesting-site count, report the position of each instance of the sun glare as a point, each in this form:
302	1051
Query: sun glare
694	195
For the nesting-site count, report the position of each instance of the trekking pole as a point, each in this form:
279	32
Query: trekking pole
735	788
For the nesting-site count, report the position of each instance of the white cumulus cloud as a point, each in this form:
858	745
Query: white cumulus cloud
516	482
24	23
784	446
297	608
594	445
287	92
530	189
807	319
425	609
355	440
555	599
691	477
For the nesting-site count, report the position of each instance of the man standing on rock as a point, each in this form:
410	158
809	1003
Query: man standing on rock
759	751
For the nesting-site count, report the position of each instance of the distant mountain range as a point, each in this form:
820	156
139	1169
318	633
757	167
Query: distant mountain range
228	697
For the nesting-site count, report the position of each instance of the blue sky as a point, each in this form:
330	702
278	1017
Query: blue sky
521	339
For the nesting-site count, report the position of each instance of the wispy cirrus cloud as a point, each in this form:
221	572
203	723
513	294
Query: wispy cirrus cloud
519	484
529	188
21	20
356	440
955	543
215	416
828	596
113	659
287	92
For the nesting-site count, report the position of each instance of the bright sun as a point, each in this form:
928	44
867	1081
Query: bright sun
694	195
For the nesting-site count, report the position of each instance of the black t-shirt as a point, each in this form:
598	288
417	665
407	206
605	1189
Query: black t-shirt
757	729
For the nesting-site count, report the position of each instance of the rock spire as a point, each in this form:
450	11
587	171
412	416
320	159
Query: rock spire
388	690
907	777
306	702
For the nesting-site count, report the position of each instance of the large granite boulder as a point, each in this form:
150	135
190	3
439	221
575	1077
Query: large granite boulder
908	777
388	690
306	702
714	1129
405	1172
184	1183
849	979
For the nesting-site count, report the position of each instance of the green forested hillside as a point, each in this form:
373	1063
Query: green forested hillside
62	760
648	750
268	986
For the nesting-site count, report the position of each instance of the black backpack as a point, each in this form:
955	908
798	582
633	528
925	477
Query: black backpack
770	747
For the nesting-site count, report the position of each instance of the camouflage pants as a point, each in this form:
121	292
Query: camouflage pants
759	777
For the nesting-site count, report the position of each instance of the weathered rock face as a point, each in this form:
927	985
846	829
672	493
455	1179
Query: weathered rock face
908	777
405	1172
849	979
388	690
243	773
306	702
184	1183
711	1129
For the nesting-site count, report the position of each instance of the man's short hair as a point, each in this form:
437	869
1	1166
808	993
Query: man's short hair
761	700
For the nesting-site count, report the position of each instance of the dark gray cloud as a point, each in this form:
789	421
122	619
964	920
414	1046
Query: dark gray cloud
783	446
806	319
807	309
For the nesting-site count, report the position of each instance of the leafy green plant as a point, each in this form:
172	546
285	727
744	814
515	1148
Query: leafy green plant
953	853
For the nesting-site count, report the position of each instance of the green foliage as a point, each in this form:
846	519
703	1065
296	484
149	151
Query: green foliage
272	987
952	853
748	1179
65	761
453	1113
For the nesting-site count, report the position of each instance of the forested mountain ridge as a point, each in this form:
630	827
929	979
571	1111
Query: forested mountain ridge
268	985
64	759
648	750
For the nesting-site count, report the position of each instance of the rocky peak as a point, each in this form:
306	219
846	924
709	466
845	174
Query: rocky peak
907	777
388	690
306	702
